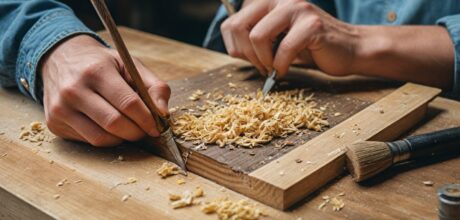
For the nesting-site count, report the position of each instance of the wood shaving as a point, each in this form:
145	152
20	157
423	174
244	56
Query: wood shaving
185	200
36	132
199	192
229	75
337	114
251	121
4	155
62	182
174	197
57	196
196	95
147	188
125	198
428	183
336	203
232	85
131	180
298	160
228	209
168	169
180	181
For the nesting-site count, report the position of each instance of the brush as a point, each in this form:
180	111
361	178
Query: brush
368	158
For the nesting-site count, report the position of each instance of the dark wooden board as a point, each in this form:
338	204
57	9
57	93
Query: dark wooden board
248	81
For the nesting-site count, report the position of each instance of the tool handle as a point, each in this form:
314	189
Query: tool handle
107	20
425	145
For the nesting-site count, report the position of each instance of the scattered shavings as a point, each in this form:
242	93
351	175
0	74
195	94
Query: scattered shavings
248	121
337	204
168	169
36	132
227	209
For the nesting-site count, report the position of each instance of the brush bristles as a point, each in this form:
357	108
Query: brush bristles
368	158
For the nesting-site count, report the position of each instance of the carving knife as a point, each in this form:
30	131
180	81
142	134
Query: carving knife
166	139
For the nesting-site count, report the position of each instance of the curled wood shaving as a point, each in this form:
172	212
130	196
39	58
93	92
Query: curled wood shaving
180	181
185	200
227	209
168	169
250	121
196	95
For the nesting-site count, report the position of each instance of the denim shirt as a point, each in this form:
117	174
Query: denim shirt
28	29
445	13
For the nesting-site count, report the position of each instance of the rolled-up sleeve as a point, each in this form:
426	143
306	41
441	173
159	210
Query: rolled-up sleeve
29	30
452	24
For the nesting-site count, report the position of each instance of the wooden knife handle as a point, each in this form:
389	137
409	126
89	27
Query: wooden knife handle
107	20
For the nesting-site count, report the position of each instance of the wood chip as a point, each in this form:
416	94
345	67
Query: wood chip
185	200
180	182
168	169
298	160
62	182
229	75
199	192
125	198
147	188
428	183
57	196
337	114
174	197
232	85
196	95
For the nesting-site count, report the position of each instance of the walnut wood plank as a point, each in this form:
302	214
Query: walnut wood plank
384	120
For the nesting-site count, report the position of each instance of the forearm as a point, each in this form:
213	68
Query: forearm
421	54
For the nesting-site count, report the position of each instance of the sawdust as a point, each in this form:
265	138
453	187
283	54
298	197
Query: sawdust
250	121
228	209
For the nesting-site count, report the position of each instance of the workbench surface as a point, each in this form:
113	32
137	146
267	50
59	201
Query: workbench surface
29	174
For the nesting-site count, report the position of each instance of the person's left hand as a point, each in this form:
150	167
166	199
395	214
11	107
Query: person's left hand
311	35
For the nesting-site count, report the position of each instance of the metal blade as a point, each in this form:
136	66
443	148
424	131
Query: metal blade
269	83
173	150
166	147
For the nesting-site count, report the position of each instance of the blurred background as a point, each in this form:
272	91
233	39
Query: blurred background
183	20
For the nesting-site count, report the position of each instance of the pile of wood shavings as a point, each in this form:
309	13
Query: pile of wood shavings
337	204
36	132
248	121
227	209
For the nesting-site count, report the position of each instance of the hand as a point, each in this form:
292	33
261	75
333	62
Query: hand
311	35
87	96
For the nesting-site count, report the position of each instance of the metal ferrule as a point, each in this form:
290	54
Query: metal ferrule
401	150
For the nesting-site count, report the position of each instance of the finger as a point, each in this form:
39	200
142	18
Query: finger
90	131
120	95
107	117
249	54
295	41
158	90
265	33
241	23
64	131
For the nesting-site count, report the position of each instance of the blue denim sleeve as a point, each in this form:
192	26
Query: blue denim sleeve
28	30
452	23
213	39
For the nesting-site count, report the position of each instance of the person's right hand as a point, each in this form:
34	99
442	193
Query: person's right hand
88	97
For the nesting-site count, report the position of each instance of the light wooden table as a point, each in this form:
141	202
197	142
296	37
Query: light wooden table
28	179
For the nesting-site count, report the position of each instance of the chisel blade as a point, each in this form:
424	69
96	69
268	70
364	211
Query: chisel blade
269	83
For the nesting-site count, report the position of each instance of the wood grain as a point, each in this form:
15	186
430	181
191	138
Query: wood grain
384	120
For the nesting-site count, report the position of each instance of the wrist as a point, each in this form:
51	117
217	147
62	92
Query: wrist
372	45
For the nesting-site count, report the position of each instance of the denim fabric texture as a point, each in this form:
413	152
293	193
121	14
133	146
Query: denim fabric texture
445	13
28	30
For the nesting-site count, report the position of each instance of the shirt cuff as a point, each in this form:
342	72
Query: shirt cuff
48	31
452	24
213	39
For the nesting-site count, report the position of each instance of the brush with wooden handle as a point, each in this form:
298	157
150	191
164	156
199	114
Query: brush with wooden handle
368	158
166	139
